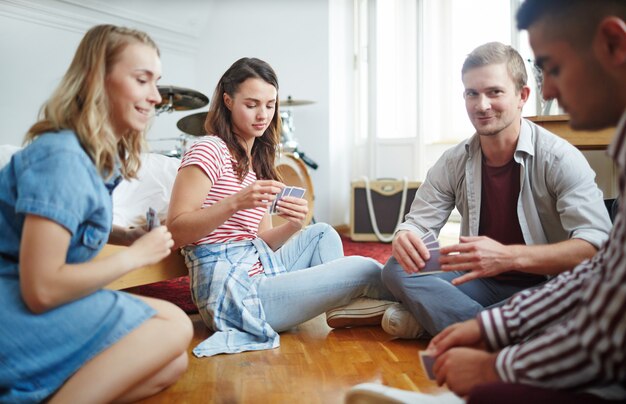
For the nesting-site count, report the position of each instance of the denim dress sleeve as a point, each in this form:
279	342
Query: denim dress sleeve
54	178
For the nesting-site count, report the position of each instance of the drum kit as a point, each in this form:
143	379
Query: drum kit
291	162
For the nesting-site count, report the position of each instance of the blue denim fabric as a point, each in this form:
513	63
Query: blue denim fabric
319	278
54	178
436	303
303	279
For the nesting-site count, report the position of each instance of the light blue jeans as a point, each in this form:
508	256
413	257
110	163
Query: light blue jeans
318	278
436	303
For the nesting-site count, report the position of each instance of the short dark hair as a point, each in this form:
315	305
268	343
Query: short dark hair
573	20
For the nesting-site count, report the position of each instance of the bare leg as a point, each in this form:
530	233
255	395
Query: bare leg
144	362
160	381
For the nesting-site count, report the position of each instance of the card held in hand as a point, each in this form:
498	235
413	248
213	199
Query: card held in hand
432	264
152	219
427	364
295	192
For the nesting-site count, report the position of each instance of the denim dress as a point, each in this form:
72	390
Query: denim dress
54	178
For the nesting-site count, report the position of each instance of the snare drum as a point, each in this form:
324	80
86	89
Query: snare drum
294	173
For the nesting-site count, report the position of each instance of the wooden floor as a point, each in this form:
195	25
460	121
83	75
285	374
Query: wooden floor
314	364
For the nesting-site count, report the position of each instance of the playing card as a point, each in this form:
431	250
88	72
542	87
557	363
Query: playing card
428	237
297	192
152	219
278	196
432	264
427	364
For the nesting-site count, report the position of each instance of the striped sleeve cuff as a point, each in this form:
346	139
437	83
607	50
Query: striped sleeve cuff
493	328
504	364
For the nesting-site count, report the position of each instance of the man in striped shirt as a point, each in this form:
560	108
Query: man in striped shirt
565	341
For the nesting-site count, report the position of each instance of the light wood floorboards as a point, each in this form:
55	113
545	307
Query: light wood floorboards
314	364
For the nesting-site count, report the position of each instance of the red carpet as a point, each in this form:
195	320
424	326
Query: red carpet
177	290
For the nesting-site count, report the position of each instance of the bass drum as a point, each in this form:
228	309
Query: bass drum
294	173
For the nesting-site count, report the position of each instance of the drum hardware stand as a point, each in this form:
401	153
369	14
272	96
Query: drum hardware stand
179	99
305	159
168	107
179	149
288	142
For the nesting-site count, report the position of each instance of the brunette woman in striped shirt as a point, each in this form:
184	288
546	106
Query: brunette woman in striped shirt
250	280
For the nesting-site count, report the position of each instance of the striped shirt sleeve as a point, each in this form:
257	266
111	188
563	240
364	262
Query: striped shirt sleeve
570	333
207	155
532	310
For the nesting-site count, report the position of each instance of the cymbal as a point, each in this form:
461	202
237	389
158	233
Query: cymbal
290	102
180	99
193	124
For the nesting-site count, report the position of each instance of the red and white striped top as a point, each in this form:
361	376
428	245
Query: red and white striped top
212	156
571	333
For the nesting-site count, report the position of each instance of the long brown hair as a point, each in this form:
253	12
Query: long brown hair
80	102
219	120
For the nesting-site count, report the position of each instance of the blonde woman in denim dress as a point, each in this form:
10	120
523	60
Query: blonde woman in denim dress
63	338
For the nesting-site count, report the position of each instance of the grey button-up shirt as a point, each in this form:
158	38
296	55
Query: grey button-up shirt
558	198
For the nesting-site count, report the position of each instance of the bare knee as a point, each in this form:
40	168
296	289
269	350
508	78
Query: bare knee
181	325
178	328
175	370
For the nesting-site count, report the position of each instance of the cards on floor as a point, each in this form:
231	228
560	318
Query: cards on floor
432	264
295	192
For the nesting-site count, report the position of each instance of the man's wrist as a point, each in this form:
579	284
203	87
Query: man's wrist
518	255
489	368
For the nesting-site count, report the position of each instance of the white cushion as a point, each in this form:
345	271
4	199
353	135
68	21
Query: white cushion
152	189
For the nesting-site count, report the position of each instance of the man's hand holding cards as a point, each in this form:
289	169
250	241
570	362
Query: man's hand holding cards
427	361
432	264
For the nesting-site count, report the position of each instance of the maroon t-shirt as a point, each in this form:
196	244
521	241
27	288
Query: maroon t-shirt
498	213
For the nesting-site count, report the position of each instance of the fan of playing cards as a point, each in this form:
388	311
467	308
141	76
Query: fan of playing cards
432	264
295	192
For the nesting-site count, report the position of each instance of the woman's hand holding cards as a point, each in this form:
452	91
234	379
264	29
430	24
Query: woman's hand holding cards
258	194
292	206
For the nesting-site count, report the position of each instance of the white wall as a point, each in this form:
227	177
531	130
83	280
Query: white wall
198	41
38	42
292	36
30	70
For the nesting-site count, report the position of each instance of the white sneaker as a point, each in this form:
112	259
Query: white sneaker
372	393
399	322
359	312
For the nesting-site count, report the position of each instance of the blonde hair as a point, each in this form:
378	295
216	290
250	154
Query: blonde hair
81	103
493	53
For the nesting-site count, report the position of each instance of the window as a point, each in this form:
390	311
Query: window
452	29
413	54
396	69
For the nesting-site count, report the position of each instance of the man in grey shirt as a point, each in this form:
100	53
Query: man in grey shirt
529	204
